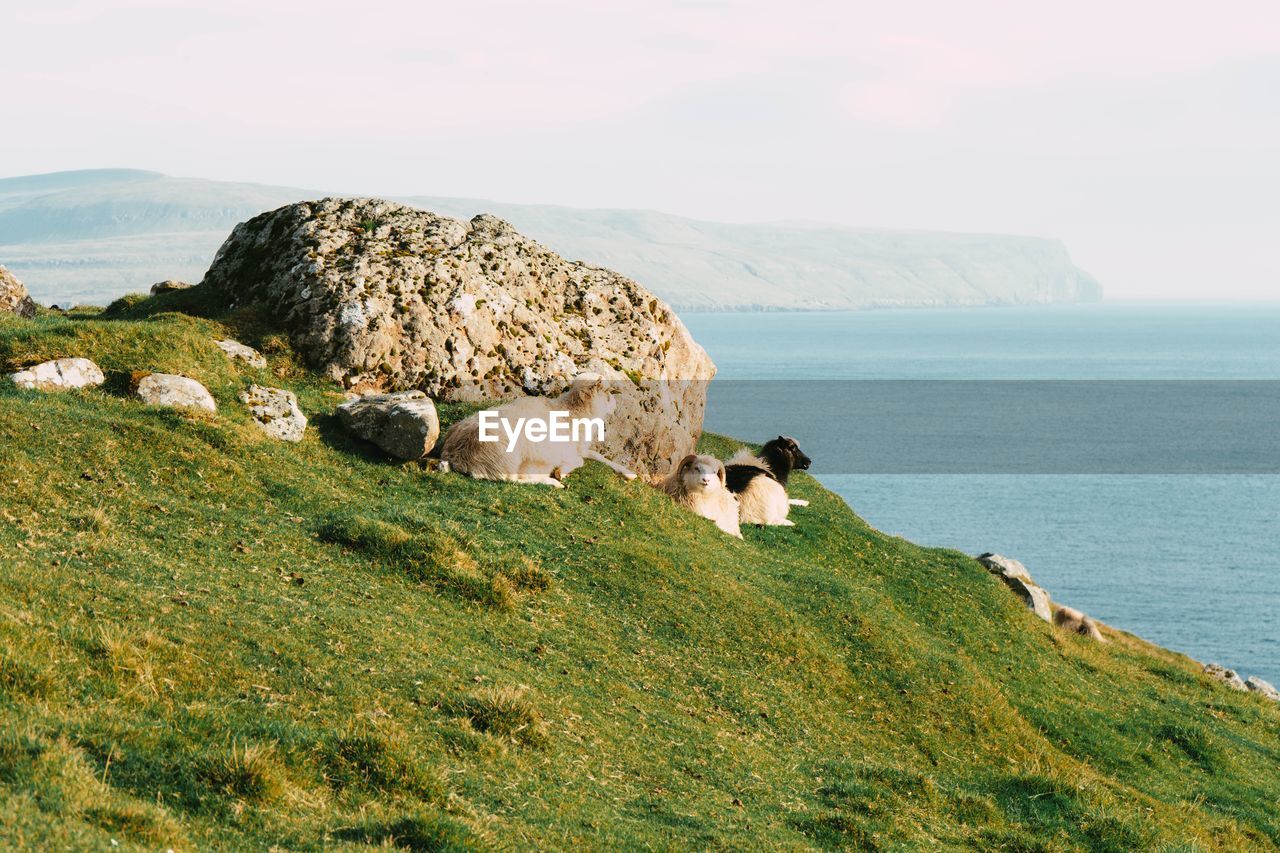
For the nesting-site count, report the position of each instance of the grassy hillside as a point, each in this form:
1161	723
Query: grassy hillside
209	639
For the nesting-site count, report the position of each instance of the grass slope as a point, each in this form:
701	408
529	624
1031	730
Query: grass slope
208	638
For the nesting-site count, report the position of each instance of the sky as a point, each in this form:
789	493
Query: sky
1145	135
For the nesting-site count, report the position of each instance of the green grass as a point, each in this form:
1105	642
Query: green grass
210	639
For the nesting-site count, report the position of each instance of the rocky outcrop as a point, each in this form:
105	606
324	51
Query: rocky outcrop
1018	579
384	297
167	389
403	424
1218	672
276	411
1232	679
1256	685
14	298
237	351
59	375
169	285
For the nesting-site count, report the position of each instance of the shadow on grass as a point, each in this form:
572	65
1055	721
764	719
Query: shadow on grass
337	437
423	831
439	559
1053	805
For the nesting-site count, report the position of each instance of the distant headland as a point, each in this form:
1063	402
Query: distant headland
90	236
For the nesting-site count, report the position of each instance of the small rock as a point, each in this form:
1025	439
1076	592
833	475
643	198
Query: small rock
1036	599
1257	685
14	298
405	424
59	374
238	351
1018	579
169	285
276	411
167	389
1003	566
1218	672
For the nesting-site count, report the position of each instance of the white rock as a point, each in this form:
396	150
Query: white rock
169	285
405	425
167	389
276	411
1036	599
1005	567
1018	579
1257	685
237	351
59	374
1218	672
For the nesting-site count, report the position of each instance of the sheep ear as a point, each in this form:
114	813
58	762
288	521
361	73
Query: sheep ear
724	480
782	438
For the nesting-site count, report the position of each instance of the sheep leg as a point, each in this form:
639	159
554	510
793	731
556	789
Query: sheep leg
614	466
797	501
537	480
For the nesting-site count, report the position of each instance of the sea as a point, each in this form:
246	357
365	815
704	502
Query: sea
1190	561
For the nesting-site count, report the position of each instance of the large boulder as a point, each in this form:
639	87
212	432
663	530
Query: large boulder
14	298
179	392
61	374
384	297
404	424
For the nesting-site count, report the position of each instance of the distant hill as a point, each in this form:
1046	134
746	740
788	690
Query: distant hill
90	236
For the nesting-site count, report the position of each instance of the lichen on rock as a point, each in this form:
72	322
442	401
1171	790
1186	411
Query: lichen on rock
173	391
404	423
14	298
237	351
59	374
169	285
276	412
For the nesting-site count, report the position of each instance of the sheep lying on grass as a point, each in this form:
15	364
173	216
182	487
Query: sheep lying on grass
546	463
760	482
698	483
1070	619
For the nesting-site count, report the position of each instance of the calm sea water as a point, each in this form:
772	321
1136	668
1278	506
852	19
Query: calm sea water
1191	562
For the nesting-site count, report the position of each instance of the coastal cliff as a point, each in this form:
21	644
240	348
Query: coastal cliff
92	236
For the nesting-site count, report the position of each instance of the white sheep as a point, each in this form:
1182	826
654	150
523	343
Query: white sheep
698	483
546	462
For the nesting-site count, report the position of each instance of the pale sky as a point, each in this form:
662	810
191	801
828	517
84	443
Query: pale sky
1146	135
